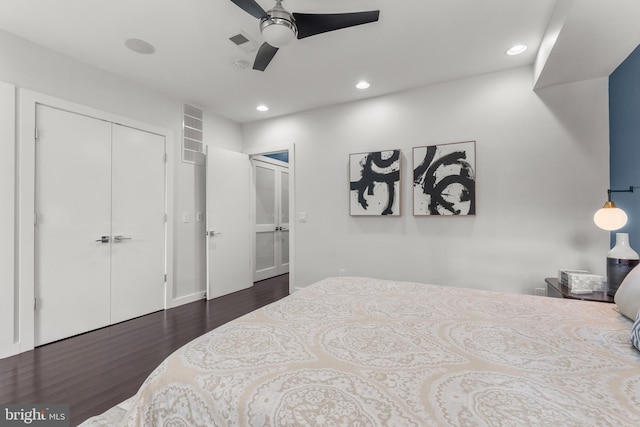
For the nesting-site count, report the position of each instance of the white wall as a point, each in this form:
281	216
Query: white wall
542	167
30	66
7	209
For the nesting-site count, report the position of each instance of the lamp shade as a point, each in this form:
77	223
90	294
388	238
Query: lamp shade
610	217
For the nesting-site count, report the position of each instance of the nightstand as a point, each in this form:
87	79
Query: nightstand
556	290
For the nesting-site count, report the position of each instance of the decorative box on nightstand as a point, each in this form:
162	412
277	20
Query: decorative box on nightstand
556	290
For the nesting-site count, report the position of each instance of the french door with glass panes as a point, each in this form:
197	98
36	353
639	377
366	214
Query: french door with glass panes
272	218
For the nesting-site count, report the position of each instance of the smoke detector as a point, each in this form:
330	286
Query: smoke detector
241	64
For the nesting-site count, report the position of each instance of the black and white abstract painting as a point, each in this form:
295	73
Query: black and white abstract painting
444	179
375	183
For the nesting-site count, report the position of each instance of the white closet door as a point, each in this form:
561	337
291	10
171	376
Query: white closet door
100	233
138	207
72	263
228	222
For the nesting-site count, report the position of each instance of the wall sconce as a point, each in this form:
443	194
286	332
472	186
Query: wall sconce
610	217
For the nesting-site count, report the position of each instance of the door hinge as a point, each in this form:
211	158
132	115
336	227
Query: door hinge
165	218
35	304
35	218
36	134
165	278
164	157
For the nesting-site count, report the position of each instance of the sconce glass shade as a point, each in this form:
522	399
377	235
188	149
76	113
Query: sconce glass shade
610	217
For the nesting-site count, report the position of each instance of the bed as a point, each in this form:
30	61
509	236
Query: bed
366	352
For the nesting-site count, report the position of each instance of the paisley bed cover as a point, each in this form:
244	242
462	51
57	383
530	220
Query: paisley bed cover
366	352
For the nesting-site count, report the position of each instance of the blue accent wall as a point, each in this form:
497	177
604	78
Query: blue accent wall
624	139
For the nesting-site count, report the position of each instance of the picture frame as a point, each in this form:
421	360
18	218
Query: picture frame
444	179
374	183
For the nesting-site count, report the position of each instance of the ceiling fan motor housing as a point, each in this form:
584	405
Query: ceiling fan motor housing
279	27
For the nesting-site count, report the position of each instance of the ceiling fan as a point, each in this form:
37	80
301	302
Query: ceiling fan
279	27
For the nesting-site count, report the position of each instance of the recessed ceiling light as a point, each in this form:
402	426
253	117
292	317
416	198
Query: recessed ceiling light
262	107
140	46
516	50
363	85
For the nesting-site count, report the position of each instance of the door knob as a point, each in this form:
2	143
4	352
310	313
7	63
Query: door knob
103	239
213	233
120	238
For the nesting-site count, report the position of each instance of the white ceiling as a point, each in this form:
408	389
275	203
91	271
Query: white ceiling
415	43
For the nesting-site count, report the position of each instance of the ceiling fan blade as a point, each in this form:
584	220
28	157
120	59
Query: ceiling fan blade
310	24
264	56
251	7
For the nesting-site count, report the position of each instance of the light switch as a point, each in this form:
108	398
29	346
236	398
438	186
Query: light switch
302	217
185	217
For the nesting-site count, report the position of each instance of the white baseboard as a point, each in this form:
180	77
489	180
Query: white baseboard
187	299
12	350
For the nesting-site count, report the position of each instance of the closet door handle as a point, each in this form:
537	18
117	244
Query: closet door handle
103	239
120	238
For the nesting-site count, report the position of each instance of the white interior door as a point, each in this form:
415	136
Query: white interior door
272	219
283	259
266	220
100	232
228	222
138	224
72	260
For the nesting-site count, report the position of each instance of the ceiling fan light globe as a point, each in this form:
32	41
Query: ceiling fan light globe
278	32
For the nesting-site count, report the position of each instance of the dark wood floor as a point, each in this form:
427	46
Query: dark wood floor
94	371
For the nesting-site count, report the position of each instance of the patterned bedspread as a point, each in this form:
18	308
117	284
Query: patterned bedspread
364	352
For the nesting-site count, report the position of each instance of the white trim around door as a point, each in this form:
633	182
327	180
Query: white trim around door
26	197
